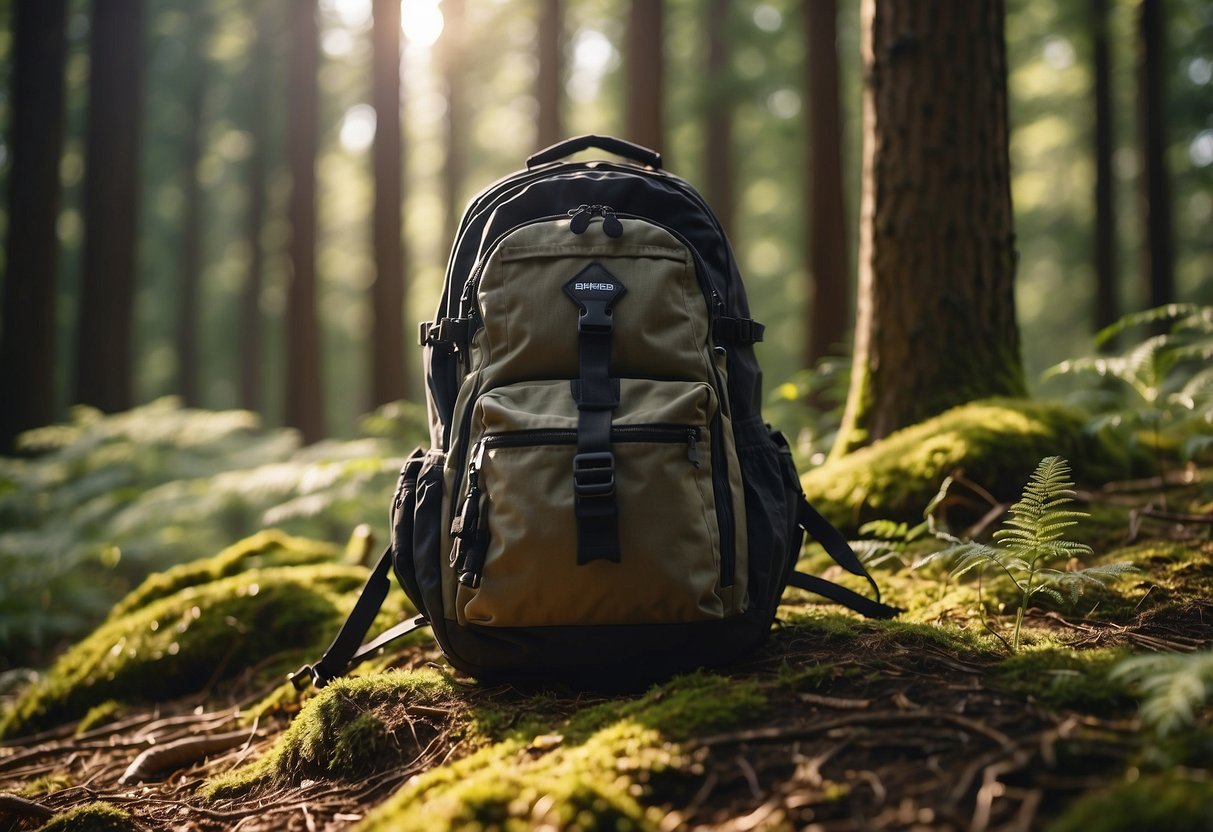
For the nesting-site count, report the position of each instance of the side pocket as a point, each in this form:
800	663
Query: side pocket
428	534
767	506
402	514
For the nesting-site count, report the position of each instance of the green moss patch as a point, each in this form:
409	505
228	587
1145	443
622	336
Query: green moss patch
995	441
92	817
1060	678
264	549
1177	801
182	643
592	771
351	728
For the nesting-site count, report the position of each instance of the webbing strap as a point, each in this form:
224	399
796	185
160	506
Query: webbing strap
345	650
840	550
594	290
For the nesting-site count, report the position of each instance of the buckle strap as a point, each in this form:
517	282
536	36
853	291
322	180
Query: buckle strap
444	331
737	330
595	290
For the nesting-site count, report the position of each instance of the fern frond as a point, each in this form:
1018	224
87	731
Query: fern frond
1172	687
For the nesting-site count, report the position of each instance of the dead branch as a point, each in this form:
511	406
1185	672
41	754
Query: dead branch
177	754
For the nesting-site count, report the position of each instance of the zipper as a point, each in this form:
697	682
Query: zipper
721	486
468	554
652	433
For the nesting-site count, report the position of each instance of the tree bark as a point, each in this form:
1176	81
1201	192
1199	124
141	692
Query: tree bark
646	74
115	90
1106	304
304	400
451	55
829	269
27	330
191	230
718	136
936	319
250	355
1158	266
387	292
549	89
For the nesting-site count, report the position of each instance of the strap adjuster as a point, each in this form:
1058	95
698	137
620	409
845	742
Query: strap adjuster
594	474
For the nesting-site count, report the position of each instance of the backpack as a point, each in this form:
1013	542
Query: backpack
601	501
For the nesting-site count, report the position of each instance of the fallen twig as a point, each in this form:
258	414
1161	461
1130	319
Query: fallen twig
175	754
11	804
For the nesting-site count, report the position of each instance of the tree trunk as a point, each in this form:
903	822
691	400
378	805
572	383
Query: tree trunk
829	269
1158	267
304	400
191	231
107	293
549	89
27	330
249	320
645	74
452	59
387	292
718	136
936	318
1106	305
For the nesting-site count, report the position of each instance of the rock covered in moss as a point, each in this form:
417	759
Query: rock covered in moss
185	641
266	548
354	726
996	442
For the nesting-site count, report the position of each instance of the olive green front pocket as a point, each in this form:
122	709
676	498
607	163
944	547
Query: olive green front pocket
669	540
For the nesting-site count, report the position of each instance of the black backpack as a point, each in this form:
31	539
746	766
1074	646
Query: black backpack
601	502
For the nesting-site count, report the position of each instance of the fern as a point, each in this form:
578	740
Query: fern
1033	537
105	500
1165	382
1173	687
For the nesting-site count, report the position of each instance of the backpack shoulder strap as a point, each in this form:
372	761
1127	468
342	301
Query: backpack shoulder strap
345	651
809	519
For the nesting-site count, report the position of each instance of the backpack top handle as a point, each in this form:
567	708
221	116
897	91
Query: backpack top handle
620	147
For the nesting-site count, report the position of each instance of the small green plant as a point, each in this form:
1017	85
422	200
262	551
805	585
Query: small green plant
1173	687
1033	537
1162	386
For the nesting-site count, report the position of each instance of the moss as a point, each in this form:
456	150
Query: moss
46	785
92	817
98	715
1175	801
267	548
878	637
184	642
347	730
996	442
1060	678
591	772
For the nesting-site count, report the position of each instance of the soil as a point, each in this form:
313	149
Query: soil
903	738
865	729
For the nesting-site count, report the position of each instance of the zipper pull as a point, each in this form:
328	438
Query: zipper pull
465	528
611	226
580	218
692	449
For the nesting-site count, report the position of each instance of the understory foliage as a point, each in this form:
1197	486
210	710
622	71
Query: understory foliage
98	503
1158	391
1032	538
1173	687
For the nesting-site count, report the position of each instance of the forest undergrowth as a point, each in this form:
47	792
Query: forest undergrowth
1052	667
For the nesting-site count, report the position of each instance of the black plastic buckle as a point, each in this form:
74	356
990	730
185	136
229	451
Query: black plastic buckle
594	474
595	317
305	675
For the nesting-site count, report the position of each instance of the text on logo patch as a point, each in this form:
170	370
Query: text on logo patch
594	287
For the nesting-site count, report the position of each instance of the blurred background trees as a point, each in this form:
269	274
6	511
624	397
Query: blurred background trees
230	175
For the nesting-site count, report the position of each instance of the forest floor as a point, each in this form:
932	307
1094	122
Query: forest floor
836	724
